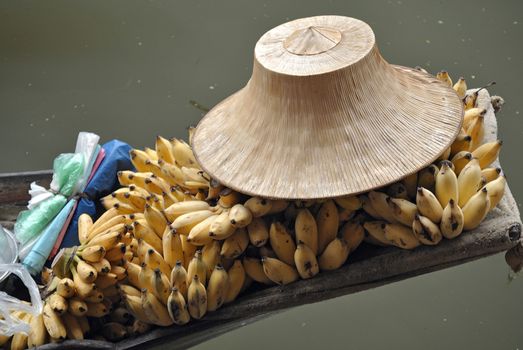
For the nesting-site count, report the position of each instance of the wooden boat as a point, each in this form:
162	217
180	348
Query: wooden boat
367	268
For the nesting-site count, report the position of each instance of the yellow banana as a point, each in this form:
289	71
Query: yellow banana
240	216
461	88
86	271
197	298
278	206
217	288
490	174
428	205
476	209
161	286
401	236
38	334
460	161
236	274
171	173
65	288
177	209
96	296
353	234
177	307
53	323
197	268
476	130
366	205
446	184
462	143
143	231
254	269
378	201
72	327
164	150
151	153
156	312
403	210
93	253
221	227
85	222
183	154
258	232
376	233
305	261
235	245
228	198
411	184
445	155
19	340
471	114
278	271
334	255
306	229
103	267
117	253
107	240
127	289
154	260
155	219
468	181
282	243
188	250
444	77
258	206
185	222
496	189
427	177
328	222
348	202
105	281
77	307
426	231
179	278
172	247
133	303
82	288
143	248
487	153
200	233
451	224
211	255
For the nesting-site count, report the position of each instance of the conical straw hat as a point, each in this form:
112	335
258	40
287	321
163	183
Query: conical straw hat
324	115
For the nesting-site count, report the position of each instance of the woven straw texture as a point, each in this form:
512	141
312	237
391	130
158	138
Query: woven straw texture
324	115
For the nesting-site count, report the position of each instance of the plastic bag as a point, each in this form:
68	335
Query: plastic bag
9	249
8	304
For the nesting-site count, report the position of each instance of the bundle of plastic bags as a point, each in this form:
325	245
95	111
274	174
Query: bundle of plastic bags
79	180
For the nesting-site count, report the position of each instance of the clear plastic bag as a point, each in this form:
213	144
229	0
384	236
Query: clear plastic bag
8	304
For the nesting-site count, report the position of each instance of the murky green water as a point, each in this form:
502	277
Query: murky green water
128	69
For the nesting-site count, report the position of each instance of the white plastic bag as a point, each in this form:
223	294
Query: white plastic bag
10	325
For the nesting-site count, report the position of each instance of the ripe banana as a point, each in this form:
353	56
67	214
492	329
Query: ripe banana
258	232
462	143
378	201
164	150
496	189
177	209
155	219
468	181
211	255
93	253
161	286
200	233
401	236
376	233
197	298
38	333
254	269
133	303
487	153
86	271
460	161
183	154
282	243
461	88
72	327
305	261
217	288
476	209
471	114
411	184
82	288
398	190
178	278
221	227
446	184
53	323
368	208
444	77
156	312
451	221
476	130
65	288
490	174
306	229
348	202
258	206
143	231
328	221
236	275
103	267
228	198
427	177
353	234
334	255
85	222
197	268
185	222
426	231
235	245
428	205
240	216
154	260
188	250
177	307
77	307
278	271
278	206
403	210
